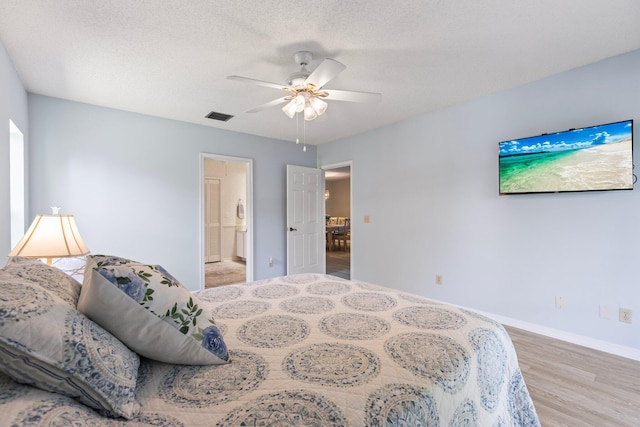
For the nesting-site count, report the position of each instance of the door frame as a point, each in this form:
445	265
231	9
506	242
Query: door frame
248	211
351	216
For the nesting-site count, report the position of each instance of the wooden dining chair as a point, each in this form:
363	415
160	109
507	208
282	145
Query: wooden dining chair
343	235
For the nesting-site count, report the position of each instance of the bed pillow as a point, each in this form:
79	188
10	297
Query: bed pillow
51	278
46	343
150	311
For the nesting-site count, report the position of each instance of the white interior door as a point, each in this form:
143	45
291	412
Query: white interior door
212	226
305	220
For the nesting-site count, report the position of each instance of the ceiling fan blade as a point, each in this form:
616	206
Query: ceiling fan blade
352	96
269	104
326	71
258	82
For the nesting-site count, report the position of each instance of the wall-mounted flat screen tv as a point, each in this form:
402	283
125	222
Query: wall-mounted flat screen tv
586	159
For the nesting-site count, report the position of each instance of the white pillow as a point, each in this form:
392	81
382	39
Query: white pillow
150	311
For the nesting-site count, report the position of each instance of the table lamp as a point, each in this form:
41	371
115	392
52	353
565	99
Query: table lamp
51	236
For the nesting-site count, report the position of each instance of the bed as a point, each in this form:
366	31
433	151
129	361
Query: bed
309	350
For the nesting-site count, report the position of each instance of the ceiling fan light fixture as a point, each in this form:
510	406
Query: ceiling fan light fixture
305	92
301	101
309	113
318	105
291	108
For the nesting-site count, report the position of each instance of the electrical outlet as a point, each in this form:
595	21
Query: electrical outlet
605	311
625	315
560	302
438	279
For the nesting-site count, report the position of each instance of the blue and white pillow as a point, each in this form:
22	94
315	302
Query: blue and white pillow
47	343
51	278
150	311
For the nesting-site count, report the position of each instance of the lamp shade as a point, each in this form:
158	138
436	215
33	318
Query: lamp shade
51	236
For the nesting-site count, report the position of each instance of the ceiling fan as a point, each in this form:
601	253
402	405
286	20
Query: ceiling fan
305	90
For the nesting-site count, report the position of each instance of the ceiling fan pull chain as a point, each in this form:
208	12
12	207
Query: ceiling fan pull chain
304	136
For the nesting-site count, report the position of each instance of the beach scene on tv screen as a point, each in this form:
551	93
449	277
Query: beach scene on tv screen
593	158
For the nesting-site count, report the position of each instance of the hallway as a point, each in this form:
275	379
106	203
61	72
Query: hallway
339	263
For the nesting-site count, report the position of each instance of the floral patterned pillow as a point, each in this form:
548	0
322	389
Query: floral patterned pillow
50	278
48	344
150	311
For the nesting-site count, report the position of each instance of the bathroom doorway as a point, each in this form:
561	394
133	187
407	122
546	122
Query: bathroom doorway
226	220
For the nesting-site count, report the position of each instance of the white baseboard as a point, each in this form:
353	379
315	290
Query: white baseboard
607	347
619	350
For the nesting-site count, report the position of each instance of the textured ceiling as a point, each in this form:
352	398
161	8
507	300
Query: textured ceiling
170	58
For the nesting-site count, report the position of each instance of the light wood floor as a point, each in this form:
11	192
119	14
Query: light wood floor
576	386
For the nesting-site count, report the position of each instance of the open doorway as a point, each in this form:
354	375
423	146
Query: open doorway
338	216
226	220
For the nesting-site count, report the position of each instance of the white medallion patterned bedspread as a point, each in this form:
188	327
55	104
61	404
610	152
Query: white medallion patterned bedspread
314	350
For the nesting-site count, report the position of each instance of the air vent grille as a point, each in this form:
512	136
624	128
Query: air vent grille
219	116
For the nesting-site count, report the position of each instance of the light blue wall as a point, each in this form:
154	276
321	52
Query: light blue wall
430	186
13	106
133	182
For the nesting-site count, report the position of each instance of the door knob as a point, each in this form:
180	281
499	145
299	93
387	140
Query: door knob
293	229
